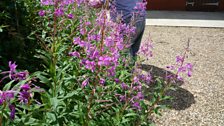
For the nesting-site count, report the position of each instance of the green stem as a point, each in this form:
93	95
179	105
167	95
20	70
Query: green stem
54	55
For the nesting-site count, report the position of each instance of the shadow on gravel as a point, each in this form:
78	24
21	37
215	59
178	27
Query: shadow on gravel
182	99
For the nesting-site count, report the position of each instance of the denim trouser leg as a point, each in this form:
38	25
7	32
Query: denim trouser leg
136	40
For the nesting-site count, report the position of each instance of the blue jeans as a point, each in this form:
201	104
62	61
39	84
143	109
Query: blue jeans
137	37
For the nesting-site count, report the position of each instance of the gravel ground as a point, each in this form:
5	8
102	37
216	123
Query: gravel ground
199	100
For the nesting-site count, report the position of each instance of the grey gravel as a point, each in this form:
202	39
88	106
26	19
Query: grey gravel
200	101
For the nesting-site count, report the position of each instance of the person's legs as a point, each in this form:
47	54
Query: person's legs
136	41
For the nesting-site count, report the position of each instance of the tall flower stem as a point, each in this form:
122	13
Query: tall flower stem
168	83
104	25
53	51
1	119
95	83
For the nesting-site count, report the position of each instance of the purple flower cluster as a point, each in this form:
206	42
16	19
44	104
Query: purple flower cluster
75	54
70	16
60	7
59	12
101	50
41	13
146	49
47	2
85	82
13	111
13	74
22	94
141	6
100	47
61	2
135	89
180	67
5	98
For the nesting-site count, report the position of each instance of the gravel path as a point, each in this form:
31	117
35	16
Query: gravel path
200	100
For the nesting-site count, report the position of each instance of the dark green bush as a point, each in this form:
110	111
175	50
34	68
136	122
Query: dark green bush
17	21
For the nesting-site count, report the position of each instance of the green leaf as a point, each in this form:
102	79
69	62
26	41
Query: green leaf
125	120
3	26
44	34
54	102
172	88
45	98
31	121
156	111
42	78
71	94
8	86
166	98
130	114
51	116
162	106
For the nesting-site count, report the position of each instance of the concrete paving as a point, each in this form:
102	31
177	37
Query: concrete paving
185	18
198	101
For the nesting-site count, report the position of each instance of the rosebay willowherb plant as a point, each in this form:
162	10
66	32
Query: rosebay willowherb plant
88	78
17	96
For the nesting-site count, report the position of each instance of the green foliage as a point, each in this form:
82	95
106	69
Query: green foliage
17	21
65	101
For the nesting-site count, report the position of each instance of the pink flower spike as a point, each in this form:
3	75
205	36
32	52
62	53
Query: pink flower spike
12	111
12	66
47	2
76	41
179	78
25	87
59	12
70	16
124	86
137	105
85	82
41	13
102	81
189	73
189	66
179	59
75	54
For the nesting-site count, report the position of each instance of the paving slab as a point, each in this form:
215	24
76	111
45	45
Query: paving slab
185	18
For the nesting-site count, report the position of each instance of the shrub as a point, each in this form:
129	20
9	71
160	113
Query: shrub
88	77
17	21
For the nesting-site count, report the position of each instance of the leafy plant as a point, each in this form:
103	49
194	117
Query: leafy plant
88	76
17	20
